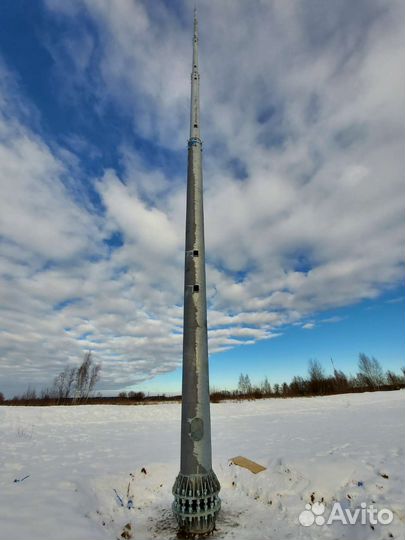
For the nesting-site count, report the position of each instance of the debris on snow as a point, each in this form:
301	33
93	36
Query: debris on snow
16	480
246	463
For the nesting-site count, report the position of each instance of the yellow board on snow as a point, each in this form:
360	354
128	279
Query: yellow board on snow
252	466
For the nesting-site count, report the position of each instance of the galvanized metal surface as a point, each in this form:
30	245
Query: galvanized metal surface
196	488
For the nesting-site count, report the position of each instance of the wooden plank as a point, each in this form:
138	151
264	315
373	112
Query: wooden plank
246	463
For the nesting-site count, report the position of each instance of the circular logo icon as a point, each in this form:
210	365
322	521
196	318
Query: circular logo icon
306	518
312	514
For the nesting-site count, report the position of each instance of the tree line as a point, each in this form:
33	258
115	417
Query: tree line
71	386
370	376
76	385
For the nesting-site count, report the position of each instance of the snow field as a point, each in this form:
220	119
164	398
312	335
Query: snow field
85	465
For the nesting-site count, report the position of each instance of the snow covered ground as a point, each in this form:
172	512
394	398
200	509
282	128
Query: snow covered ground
82	460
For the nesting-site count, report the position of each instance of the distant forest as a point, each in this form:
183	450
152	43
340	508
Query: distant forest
370	377
76	385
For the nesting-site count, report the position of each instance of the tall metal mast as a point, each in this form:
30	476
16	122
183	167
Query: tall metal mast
196	502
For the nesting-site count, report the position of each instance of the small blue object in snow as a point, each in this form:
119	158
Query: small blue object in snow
360	483
120	501
130	504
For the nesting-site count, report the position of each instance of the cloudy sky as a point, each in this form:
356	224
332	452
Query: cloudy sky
302	122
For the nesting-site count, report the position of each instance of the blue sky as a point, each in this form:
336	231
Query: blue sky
302	108
374	327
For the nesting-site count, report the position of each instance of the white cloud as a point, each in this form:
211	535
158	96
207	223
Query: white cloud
302	113
308	326
331	320
35	211
149	228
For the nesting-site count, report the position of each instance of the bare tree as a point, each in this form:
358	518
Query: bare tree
94	376
341	383
298	386
59	386
315	370
1	397
241	383
69	380
244	384
82	376
47	393
63	384
370	372
316	376
86	377
30	393
393	378
266	387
